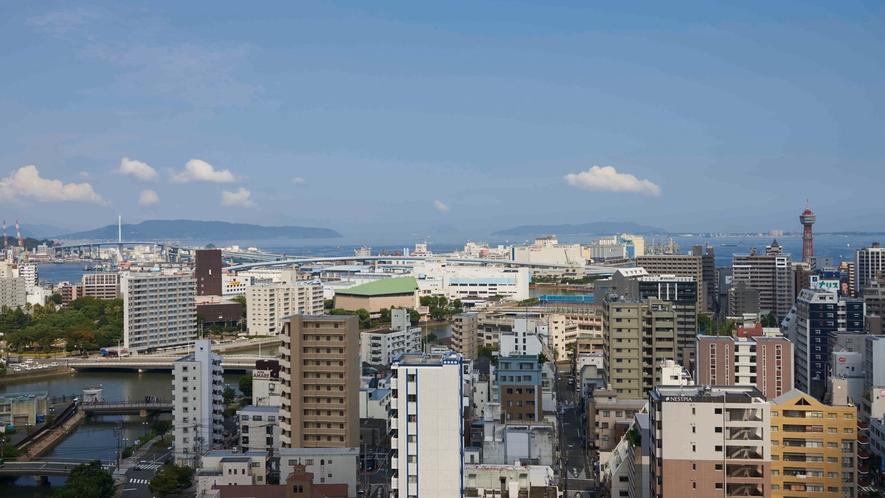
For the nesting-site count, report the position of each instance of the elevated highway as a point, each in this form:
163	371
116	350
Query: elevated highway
231	363
589	269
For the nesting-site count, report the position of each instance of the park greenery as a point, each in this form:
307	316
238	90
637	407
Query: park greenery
440	307
88	480
85	324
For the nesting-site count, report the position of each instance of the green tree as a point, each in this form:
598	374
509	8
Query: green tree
772	320
457	304
542	358
88	480
55	298
414	316
704	322
245	386
241	300
161	427
165	482
328	304
385	315
229	395
365	318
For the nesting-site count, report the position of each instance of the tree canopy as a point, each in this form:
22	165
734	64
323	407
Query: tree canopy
88	480
86	324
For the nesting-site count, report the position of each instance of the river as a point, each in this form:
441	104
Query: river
95	438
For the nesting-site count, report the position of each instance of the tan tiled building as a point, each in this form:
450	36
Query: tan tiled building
320	370
814	446
764	362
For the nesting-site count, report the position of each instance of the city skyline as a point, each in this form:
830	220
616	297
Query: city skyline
387	120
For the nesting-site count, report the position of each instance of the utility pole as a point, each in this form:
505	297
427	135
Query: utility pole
119	431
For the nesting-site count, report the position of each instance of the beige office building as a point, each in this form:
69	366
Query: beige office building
270	304
637	337
678	265
320	371
465	335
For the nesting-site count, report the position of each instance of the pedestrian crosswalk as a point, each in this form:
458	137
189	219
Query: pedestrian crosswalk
139	481
150	466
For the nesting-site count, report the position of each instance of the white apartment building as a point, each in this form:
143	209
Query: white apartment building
561	331
259	428
270	304
158	310
439	278
521	341
222	468
868	263
30	274
380	347
428	407
197	382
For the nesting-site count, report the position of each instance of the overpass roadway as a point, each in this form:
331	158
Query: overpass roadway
41	467
231	363
589	269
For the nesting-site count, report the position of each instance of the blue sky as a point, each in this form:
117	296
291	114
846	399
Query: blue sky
396	117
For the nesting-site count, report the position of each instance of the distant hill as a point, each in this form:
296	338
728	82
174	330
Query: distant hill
201	230
595	228
39	231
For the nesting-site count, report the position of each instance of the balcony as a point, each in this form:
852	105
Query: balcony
743	453
743	490
863	454
863	440
743	471
863	469
862	425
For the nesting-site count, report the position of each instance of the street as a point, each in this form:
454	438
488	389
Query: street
576	469
136	485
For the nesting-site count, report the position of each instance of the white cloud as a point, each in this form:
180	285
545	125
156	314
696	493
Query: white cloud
442	207
138	169
238	198
26	183
148	197
60	22
200	171
298	180
609	180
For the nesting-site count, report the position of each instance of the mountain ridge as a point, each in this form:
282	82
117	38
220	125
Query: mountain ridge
201	230
593	228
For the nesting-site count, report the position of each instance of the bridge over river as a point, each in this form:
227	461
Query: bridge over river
232	363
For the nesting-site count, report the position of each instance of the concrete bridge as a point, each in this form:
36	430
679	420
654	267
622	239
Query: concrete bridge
232	363
43	467
143	409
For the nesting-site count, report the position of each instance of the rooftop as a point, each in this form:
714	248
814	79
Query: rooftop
399	285
425	359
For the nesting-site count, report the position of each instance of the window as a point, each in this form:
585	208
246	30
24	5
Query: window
718	466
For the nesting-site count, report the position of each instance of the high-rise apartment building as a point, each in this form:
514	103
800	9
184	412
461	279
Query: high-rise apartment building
869	263
873	295
742	300
158	310
207	272
818	313
465	335
269	305
709	441
13	293
771	274
197	403
679	265
682	292
814	445
427	435
762	362
519	387
28	271
637	337
320	370
708	275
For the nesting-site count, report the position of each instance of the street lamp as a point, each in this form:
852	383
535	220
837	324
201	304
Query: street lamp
145	424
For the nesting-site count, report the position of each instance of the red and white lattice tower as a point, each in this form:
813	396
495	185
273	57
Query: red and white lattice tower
807	219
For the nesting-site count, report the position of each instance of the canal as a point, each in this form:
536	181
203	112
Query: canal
96	437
